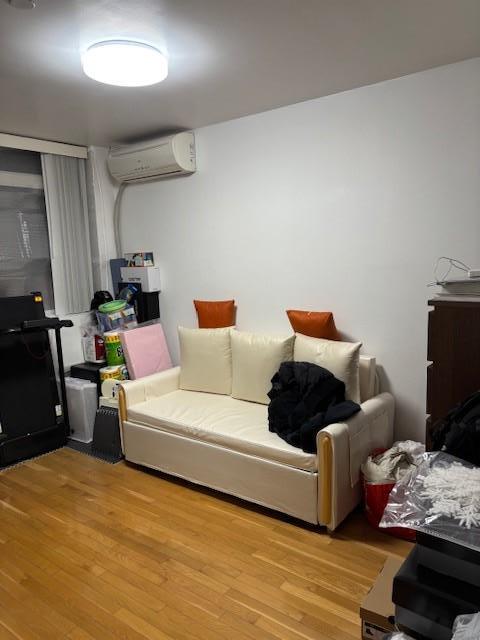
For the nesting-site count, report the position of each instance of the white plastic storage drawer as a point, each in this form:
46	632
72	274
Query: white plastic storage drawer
82	406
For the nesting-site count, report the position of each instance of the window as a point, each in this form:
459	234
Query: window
45	225
24	241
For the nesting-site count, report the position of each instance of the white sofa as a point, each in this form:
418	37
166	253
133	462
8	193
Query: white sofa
224	443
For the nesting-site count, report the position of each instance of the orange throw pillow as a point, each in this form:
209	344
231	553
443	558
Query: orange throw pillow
214	314
316	324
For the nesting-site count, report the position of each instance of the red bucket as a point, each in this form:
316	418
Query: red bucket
376	498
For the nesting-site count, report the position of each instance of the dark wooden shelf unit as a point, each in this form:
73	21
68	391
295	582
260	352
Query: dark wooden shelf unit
454	353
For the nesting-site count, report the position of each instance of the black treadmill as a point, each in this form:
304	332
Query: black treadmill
33	418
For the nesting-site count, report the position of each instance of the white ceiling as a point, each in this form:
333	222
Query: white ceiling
228	58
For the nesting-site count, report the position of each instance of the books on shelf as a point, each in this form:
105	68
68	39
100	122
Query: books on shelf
461	288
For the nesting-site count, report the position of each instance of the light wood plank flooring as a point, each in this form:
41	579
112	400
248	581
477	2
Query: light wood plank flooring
90	550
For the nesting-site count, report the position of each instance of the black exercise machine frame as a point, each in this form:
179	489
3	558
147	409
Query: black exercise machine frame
34	326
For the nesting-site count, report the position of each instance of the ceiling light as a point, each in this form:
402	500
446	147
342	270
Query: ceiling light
125	63
22	4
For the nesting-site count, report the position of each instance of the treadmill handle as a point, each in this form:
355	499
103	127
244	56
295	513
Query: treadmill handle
46	323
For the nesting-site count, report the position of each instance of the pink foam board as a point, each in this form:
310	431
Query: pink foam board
145	350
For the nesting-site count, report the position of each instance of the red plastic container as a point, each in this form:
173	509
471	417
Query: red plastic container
376	498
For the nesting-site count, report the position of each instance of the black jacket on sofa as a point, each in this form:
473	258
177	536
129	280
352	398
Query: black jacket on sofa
304	399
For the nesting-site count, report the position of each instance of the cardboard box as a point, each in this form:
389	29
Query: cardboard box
148	277
377	610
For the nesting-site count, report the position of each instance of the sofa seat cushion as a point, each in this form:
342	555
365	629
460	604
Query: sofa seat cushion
221	420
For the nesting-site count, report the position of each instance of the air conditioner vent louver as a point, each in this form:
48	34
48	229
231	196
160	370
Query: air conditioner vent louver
173	155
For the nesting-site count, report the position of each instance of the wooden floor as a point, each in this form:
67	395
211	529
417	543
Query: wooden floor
92	550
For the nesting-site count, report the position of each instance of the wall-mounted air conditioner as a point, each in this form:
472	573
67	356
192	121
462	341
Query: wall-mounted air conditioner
172	155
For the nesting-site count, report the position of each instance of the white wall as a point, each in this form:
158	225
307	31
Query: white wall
341	203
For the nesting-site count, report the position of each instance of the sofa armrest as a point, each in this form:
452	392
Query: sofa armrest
342	448
135	391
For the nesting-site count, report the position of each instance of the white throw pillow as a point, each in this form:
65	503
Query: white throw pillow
341	358
205	360
255	360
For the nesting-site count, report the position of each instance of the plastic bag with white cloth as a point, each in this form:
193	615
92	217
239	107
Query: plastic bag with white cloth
467	627
391	465
441	497
381	471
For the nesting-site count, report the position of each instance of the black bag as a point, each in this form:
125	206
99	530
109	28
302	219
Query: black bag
459	433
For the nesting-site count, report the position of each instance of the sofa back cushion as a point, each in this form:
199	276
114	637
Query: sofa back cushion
255	360
341	358
205	360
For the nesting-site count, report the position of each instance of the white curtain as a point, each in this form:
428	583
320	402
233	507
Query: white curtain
64	182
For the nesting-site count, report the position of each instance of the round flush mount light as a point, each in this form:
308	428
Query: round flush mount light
125	63
22	4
